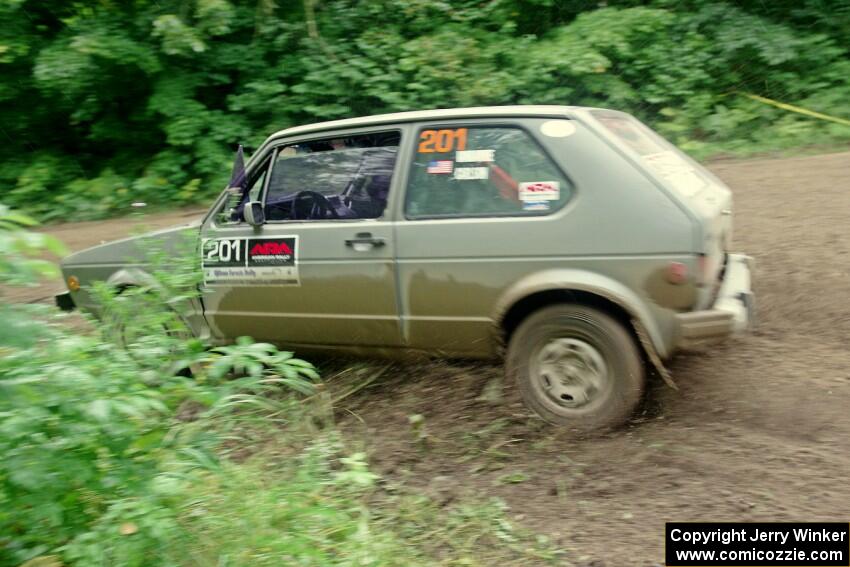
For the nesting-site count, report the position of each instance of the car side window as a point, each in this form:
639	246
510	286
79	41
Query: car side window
334	178
234	202
482	171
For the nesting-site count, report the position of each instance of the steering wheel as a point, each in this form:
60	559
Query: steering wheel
309	205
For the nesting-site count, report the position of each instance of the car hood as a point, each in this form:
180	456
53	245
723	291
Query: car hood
132	250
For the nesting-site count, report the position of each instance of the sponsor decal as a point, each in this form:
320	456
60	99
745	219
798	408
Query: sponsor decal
440	166
442	141
250	261
274	252
467	173
539	191
535	205
223	252
466	156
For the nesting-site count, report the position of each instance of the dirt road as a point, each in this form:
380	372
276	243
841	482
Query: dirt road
79	235
760	429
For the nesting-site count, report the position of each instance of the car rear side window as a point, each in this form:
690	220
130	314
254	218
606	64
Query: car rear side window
482	171
334	178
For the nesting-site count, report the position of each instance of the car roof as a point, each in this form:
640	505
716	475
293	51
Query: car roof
438	113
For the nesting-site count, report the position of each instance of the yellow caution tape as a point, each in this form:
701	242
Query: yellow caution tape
797	109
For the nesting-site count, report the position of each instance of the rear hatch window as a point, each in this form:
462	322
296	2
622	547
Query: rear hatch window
706	196
658	155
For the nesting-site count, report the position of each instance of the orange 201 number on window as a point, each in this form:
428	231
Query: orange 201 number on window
442	141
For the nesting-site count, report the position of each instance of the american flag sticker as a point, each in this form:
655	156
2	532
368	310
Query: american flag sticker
440	166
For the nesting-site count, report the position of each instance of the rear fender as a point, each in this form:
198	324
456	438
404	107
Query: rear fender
594	283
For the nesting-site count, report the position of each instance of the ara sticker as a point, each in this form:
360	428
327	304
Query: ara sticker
535	205
475	155
440	166
539	191
250	261
467	173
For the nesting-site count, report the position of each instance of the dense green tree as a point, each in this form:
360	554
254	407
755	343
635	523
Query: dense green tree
105	103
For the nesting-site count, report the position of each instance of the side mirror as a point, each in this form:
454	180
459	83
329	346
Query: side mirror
254	213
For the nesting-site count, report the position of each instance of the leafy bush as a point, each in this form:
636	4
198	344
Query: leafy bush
87	432
18	246
106	104
18	266
90	432
107	457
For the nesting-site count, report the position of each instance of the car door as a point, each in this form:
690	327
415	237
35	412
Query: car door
321	269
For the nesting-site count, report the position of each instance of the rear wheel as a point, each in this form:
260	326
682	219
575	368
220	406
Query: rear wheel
577	367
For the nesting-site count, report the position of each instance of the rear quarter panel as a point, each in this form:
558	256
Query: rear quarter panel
453	273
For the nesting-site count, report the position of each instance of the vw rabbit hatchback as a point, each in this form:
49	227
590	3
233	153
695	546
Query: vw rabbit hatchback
574	243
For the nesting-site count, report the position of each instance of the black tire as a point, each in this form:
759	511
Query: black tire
576	367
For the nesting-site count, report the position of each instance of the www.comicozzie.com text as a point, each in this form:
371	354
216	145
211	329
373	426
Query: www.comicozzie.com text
726	536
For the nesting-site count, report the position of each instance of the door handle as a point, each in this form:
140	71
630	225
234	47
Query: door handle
363	241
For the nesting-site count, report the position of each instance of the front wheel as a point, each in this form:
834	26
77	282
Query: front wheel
153	334
576	367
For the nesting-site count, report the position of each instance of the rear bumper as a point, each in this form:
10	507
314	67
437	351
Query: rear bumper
733	312
65	302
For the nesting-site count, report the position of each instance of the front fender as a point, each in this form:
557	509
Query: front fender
589	282
190	310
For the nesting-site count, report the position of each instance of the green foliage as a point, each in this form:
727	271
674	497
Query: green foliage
74	423
107	457
92	435
18	246
18	266
305	511
318	507
104	104
312	510
258	359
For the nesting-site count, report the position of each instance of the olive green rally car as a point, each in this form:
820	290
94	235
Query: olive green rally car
574	242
